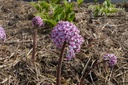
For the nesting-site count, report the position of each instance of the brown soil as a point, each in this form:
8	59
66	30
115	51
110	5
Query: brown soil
103	35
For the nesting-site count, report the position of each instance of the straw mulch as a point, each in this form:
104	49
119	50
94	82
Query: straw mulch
103	35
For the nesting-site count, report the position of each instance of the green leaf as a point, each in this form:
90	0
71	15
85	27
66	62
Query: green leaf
37	6
55	1
80	2
41	15
65	2
95	0
50	21
108	3
57	12
44	5
71	16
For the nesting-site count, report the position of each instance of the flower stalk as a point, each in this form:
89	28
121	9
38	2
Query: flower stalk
58	80
66	32
37	22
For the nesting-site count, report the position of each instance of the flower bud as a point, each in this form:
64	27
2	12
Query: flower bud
37	21
111	59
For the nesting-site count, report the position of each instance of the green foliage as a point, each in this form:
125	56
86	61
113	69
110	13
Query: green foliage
80	2
54	11
107	8
95	0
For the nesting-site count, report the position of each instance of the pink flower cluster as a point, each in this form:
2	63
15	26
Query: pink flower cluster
37	21
112	59
2	34
67	32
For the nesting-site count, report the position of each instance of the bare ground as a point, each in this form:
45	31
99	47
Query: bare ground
103	35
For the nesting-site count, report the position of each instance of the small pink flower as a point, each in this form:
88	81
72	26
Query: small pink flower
37	21
112	59
2	34
66	31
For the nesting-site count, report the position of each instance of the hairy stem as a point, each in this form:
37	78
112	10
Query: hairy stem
58	80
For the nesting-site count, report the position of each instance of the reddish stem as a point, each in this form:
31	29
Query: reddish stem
34	44
58	80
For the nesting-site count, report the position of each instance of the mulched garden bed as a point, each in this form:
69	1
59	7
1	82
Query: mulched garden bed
103	35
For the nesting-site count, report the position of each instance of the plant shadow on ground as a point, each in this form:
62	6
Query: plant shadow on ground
102	35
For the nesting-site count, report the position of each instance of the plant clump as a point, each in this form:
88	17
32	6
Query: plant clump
55	10
107	8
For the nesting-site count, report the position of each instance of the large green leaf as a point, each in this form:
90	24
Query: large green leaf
50	21
57	12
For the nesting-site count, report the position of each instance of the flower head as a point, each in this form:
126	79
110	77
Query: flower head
67	32
37	21
112	59
2	34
